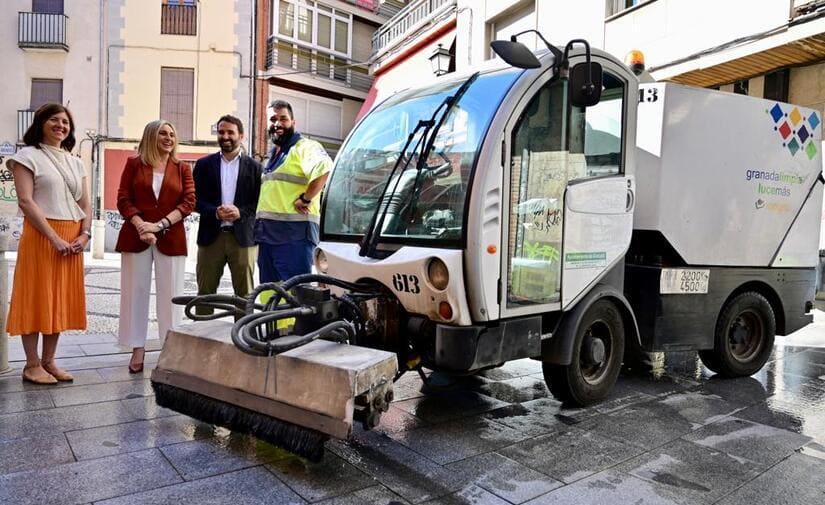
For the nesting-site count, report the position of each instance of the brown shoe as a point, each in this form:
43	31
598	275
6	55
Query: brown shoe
57	372
38	378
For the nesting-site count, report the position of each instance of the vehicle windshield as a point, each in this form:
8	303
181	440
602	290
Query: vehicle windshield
424	201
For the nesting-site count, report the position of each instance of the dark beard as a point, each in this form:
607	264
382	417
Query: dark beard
288	132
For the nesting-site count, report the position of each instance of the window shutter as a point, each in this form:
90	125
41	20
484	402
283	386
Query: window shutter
177	99
44	91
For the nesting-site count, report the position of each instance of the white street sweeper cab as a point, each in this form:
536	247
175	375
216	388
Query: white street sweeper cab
556	208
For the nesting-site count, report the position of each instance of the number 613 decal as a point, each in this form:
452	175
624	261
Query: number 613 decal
406	283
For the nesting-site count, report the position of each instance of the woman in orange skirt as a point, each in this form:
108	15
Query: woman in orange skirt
49	295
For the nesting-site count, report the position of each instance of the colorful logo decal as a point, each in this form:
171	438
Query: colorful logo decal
796	130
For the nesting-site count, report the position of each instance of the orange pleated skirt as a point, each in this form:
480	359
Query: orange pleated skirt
49	294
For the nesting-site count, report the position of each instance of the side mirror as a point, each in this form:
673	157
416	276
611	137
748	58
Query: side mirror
585	86
515	54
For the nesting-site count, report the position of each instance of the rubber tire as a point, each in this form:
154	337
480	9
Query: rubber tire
720	359
566	382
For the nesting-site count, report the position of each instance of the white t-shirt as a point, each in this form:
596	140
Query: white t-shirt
58	180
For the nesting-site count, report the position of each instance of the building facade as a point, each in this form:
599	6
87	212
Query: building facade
315	55
51	53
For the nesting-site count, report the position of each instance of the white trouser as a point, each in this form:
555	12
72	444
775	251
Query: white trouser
135	286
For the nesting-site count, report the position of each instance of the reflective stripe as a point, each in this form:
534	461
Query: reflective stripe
277	216
280	176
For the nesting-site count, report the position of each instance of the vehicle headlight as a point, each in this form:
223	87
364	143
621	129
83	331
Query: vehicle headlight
321	263
437	274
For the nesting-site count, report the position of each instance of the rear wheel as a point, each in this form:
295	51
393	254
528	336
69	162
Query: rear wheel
744	336
597	358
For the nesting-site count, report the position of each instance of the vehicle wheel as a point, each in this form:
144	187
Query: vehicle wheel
597	358
744	336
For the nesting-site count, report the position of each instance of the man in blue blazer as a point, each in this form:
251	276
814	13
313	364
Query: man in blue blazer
227	185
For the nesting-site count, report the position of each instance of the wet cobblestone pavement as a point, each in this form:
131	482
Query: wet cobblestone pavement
676	435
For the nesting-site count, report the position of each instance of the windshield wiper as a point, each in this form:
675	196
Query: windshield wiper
372	237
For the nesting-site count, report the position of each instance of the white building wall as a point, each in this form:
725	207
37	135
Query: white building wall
667	30
78	68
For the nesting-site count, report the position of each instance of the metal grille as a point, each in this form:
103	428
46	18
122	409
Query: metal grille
281	53
177	19
24	120
41	30
177	99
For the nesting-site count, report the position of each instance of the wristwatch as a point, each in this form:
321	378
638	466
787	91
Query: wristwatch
304	199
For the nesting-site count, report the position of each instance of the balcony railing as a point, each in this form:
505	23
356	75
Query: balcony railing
408	19
38	30
315	62
24	120
387	8
178	19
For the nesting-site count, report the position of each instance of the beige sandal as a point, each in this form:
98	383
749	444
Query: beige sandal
56	372
48	379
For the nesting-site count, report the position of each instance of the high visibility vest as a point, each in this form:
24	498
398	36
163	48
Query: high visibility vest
306	161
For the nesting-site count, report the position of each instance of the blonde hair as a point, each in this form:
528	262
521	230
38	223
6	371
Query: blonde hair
148	147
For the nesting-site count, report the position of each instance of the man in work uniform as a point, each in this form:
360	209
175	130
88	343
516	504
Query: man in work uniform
288	216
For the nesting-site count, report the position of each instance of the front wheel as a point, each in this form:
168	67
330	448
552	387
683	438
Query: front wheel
744	336
597	358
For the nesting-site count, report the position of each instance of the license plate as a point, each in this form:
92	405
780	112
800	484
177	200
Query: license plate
684	281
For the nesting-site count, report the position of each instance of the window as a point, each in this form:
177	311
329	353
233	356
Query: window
776	85
617	6
596	132
741	87
47	6
313	25
179	17
539	166
512	23
44	91
177	99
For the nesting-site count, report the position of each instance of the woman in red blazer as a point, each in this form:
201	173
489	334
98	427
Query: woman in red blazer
156	192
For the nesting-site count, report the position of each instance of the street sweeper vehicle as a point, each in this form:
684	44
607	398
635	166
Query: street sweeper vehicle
551	207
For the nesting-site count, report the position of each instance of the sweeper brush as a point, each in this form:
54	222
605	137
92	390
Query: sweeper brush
294	391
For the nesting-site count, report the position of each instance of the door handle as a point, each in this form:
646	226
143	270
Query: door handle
631	199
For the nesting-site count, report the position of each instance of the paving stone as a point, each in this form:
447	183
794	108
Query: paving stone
448	406
532	418
788	415
109	360
127	437
759	443
520	389
571	454
146	408
251	486
645	425
88	338
504	477
471	495
13	383
621	396
395	420
36	452
656	384
814	450
121	373
64	350
376	495
61	419
407	387
688	473
23	401
332	477
810	363
115	348
204	458
513	369
397	467
456	440
742	391
609	487
101	393
796	480
88	481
